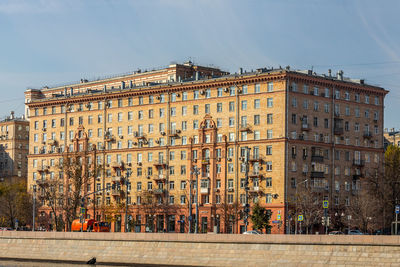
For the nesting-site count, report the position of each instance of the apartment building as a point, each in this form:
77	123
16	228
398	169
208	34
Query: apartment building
391	137
14	147
154	127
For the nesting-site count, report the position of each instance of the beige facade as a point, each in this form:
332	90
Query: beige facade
14	137
298	126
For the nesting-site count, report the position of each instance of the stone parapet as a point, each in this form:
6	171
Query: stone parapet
202	249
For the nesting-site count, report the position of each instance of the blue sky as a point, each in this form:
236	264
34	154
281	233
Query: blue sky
48	42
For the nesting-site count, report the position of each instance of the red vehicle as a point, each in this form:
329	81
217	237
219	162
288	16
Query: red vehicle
90	225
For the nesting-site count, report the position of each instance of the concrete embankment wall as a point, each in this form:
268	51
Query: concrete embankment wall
202	250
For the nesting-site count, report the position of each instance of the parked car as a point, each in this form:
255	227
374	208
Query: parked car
355	232
252	232
336	233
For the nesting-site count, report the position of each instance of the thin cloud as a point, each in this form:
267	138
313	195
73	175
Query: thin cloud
12	7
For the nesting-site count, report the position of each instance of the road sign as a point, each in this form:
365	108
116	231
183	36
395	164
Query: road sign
190	218
325	204
300	218
397	210
82	210
275	221
278	217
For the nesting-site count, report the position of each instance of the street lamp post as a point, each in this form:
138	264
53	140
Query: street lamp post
295	220
34	207
126	204
196	173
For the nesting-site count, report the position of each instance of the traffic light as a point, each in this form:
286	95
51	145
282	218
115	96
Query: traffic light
323	221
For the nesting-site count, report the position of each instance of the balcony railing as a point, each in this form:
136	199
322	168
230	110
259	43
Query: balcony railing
317	158
159	191
254	189
338	130
160	163
367	134
305	127
204	190
159	178
244	127
317	174
358	162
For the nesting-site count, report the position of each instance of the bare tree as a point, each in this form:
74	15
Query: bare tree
309	204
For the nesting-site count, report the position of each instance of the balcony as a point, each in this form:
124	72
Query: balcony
316	174
174	133
159	178
254	189
305	127
338	130
317	158
52	142
160	163
253	175
358	162
109	138
117	165
139	136
159	191
205	161
367	134
42	183
43	169
256	159
117	179
204	190
116	192
245	128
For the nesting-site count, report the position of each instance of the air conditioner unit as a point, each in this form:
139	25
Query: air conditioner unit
230	189
44	129
202	92
229	159
178	94
162	133
226	89
139	164
121	137
135	143
129	164
178	131
157	141
158	97
88	105
219	159
239	91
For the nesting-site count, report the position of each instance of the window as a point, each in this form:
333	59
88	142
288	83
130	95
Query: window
269	118
256	103
269	134
220	92
268	198
269	166
207	108
231	106
195	109
270	87
270	102
256	119
196	94
219	107
269	150
257	88
244	105
268	182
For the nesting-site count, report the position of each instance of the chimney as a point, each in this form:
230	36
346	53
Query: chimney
105	88
12	115
330	73
240	71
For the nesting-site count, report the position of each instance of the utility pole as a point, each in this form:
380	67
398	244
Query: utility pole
196	172
34	208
